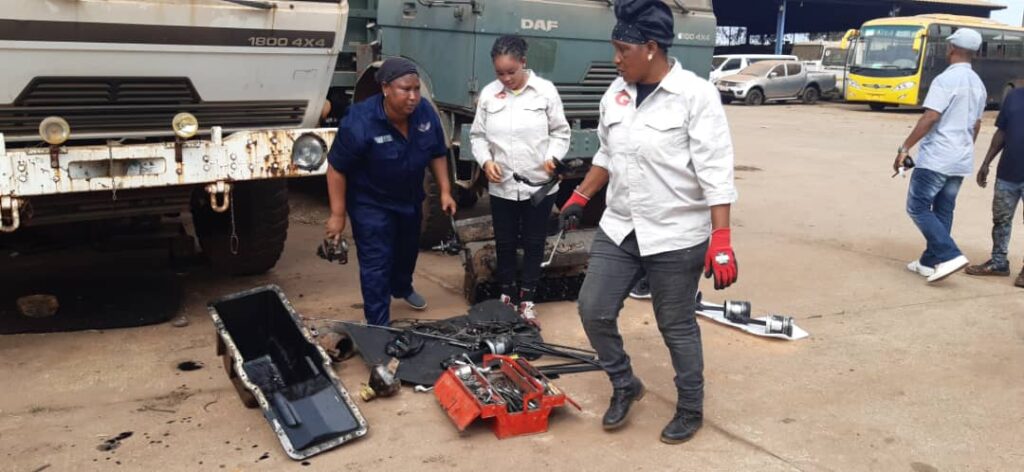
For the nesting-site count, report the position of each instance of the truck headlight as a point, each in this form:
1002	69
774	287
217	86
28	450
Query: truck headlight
185	125
309	152
54	130
904	86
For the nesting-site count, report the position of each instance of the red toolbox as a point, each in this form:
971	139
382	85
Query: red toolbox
506	389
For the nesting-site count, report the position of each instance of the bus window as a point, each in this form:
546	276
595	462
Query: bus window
886	51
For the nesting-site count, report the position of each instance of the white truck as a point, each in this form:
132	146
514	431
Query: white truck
115	114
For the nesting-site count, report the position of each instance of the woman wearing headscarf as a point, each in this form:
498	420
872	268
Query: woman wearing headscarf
377	165
667	158
519	128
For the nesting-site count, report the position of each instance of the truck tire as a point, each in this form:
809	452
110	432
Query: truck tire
436	226
755	97
811	95
261	223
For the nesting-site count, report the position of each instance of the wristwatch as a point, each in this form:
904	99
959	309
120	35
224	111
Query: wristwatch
901	149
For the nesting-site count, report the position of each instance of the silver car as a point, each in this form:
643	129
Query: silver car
776	81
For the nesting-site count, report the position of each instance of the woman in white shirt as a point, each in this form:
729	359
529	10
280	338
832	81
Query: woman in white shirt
519	128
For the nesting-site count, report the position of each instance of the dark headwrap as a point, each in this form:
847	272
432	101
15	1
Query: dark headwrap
394	68
640	21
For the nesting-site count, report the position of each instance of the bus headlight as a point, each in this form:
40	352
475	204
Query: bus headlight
309	152
185	125
904	86
54	130
852	83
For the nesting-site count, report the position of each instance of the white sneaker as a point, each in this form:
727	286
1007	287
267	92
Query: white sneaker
919	269
948	268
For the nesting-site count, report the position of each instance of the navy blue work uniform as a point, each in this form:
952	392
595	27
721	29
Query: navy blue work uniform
384	172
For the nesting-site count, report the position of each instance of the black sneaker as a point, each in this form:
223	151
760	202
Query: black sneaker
642	290
621	402
682	427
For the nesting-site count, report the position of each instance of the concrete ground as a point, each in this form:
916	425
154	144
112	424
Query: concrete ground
897	376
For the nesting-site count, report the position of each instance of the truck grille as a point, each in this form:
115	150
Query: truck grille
119	106
582	100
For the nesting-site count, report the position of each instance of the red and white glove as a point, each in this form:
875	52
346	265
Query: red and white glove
572	212
720	260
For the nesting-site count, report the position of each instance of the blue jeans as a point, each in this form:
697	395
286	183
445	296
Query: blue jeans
931	200
1004	205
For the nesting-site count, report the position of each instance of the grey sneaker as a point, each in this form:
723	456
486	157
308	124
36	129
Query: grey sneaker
416	301
642	290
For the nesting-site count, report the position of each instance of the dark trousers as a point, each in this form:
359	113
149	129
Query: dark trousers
673	277
520	224
387	244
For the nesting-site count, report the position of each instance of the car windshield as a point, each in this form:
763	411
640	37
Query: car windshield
887	49
717	61
761	68
834	57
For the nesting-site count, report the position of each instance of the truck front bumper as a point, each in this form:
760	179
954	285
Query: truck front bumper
216	162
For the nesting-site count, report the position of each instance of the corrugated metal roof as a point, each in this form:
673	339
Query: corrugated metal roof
811	16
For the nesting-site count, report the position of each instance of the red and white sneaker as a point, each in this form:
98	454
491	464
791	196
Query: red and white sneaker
528	314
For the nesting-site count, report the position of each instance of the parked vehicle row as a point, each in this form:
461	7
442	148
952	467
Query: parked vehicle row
776	81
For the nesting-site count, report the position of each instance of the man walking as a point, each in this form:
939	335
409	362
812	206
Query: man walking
1009	139
947	132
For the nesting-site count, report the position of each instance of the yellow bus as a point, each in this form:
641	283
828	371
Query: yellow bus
895	59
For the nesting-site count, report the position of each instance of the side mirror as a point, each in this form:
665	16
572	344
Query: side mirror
773	75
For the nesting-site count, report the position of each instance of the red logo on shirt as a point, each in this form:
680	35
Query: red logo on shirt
622	98
501	95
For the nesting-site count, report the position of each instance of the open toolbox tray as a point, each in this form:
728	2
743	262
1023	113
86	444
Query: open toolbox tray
275	365
467	392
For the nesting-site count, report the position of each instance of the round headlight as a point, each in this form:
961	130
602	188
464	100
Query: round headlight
185	125
54	130
309	152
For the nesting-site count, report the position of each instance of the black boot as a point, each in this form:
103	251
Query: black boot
622	400
682	427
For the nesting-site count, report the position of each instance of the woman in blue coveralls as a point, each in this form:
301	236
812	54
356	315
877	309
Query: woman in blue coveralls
376	172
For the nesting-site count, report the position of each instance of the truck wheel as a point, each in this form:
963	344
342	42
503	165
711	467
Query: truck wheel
811	95
261	224
755	97
435	226
877	107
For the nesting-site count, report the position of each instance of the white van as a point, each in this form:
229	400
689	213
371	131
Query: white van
729	64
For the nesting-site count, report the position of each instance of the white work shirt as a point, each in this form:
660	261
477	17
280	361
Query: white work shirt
669	161
959	95
519	132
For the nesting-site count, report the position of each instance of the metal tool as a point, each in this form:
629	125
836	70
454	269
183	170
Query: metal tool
908	164
453	245
554	249
333	250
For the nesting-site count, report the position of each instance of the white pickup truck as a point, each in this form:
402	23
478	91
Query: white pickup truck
776	81
118	114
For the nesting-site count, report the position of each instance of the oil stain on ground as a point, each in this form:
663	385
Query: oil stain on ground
114	442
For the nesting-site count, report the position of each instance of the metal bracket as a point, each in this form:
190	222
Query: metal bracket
12	206
222	189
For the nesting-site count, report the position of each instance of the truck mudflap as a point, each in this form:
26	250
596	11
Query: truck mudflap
561	279
275	365
214	163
